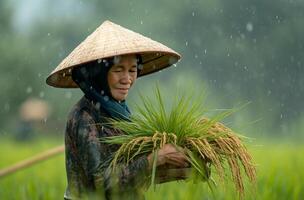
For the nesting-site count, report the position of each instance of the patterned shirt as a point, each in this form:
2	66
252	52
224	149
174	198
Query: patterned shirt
87	159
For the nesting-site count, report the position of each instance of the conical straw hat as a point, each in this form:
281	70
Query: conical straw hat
109	40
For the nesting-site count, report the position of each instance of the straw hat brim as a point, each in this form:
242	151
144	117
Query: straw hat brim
110	40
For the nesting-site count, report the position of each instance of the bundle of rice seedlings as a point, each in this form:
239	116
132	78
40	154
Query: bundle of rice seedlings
206	142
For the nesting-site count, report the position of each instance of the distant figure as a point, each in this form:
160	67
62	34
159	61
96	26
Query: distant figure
32	112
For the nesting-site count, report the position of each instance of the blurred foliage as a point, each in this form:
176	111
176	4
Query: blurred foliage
241	51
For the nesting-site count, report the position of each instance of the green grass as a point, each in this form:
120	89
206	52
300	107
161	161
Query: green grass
280	175
45	180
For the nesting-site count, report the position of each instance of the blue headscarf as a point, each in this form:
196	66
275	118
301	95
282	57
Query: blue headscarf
92	80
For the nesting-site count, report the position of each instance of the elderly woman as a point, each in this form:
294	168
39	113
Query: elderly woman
105	81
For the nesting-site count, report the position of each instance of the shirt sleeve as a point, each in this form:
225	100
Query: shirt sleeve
95	154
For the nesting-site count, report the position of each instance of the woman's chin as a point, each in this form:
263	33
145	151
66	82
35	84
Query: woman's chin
120	97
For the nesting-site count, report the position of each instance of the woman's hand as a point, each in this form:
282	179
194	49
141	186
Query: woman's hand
164	175
169	155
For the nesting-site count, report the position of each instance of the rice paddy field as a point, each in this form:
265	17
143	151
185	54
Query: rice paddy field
280	174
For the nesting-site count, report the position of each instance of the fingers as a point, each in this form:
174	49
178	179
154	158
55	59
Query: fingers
173	155
178	159
167	175
177	162
178	154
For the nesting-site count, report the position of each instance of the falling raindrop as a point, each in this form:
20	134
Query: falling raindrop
29	89
97	105
116	59
106	98
41	94
278	18
140	66
249	26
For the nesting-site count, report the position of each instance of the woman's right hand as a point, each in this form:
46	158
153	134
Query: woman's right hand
169	155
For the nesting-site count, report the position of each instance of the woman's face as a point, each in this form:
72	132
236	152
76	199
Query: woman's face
122	76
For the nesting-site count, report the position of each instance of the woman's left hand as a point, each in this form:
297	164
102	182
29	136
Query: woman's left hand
167	173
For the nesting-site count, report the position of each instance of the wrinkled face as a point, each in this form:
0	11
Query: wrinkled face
122	76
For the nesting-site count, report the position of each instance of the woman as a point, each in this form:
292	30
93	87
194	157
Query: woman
105	83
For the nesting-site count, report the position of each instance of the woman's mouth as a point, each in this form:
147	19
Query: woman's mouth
123	90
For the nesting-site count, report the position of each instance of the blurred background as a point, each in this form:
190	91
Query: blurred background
237	51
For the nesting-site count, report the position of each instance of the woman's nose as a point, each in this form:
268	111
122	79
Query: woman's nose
126	78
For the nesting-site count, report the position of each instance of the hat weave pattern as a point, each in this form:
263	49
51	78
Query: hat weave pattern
109	40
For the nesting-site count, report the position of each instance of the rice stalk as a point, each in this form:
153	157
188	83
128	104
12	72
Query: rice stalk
207	142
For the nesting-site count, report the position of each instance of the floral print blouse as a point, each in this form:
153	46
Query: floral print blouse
87	159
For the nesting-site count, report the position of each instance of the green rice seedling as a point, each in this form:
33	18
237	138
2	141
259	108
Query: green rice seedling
206	142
